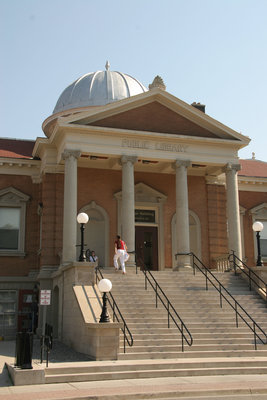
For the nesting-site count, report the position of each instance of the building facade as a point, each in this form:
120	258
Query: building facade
142	164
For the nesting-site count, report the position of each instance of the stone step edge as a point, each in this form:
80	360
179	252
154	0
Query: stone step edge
148	362
100	376
187	355
183	394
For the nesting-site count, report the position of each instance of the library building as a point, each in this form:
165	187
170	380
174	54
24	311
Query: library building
140	163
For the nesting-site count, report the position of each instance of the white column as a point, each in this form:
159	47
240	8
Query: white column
70	206
182	213
233	215
127	209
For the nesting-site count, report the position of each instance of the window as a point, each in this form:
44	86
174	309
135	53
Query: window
8	300
12	221
9	228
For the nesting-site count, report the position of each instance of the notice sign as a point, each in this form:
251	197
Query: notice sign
144	215
45	297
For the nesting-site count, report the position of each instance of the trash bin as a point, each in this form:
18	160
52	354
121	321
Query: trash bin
24	344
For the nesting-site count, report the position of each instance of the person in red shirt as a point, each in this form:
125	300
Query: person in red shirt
120	253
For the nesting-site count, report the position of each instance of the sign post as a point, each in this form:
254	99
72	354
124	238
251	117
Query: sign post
45	300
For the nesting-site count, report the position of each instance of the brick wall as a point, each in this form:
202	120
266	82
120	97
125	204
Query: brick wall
52	219
217	217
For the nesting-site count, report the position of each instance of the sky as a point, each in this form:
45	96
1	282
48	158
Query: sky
209	51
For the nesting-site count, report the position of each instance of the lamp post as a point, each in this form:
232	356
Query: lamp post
258	227
104	286
82	219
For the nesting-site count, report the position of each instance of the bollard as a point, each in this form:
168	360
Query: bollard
24	345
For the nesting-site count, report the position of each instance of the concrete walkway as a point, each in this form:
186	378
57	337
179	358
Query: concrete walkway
247	386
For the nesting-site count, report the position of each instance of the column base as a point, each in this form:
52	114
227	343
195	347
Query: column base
184	261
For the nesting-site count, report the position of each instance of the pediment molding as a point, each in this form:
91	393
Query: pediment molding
259	211
193	116
144	194
12	195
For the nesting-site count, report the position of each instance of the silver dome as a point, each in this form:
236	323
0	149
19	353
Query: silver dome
98	89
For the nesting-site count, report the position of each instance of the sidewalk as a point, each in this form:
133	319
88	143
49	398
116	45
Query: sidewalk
248	386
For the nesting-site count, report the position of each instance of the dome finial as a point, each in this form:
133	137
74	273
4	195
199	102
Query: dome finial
107	65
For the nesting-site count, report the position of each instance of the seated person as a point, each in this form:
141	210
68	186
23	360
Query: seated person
93	257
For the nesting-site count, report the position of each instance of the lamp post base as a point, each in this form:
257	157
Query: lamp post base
104	315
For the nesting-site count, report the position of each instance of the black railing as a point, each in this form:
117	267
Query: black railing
252	276
171	312
223	292
127	336
46	342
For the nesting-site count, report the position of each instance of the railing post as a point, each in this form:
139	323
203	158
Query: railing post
220	295
234	262
113	309
236	315
168	314
156	295
255	340
193	261
249	275
206	274
124	341
182	332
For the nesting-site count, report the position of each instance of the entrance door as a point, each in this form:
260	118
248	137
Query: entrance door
146	247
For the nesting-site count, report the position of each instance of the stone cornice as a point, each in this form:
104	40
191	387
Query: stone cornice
13	166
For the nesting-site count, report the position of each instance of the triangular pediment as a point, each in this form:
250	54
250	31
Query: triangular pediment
12	195
156	111
154	117
145	193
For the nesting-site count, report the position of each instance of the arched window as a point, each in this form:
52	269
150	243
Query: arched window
96	234
259	213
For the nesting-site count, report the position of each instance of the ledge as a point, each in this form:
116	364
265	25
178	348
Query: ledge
20	377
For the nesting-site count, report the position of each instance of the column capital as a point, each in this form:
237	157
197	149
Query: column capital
71	153
231	167
126	159
182	163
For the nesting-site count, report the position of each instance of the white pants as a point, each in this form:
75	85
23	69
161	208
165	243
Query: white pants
120	255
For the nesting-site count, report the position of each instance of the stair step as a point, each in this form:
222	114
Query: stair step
213	328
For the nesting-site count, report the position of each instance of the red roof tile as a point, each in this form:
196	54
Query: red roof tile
16	148
253	168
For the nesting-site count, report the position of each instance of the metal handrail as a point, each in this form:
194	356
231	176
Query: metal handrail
205	271
136	266
241	265
113	305
169	307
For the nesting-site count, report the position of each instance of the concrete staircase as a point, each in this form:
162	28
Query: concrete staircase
219	348
213	329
